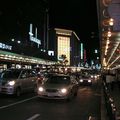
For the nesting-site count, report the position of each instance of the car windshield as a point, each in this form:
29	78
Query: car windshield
9	74
59	80
84	76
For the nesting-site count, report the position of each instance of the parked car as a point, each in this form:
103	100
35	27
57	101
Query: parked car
58	86
85	80
17	81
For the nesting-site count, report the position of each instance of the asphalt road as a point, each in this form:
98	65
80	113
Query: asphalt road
30	107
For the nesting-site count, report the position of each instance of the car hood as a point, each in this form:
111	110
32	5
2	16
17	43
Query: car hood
55	86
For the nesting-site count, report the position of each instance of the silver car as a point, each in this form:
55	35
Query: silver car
58	86
17	81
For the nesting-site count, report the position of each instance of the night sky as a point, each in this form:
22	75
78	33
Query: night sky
77	15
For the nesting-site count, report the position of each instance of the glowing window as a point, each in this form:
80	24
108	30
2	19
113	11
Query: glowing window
64	47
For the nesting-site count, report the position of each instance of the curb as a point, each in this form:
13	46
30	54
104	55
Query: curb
103	109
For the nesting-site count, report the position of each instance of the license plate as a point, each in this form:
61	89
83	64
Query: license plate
51	94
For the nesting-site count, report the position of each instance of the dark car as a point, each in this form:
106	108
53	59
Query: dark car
58	86
17	81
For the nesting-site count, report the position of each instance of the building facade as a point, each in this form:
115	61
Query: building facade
23	45
66	43
109	30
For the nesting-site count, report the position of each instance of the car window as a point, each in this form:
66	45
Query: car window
24	74
9	74
58	80
31	73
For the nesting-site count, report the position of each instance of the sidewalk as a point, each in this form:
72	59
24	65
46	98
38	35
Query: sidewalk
103	109
115	95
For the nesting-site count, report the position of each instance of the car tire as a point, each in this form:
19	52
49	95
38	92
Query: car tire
70	96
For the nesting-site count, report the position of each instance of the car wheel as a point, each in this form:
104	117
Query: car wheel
70	96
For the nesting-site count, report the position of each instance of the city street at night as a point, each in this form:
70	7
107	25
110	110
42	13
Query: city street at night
28	106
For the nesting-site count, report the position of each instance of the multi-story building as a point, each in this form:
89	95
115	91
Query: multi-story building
66	43
109	30
22	44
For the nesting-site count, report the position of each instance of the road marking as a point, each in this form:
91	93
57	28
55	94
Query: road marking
91	118
6	106
34	117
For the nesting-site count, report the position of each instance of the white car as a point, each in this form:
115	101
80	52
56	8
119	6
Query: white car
58	86
17	81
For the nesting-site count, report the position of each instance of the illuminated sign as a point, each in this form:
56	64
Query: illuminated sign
4	46
81	51
34	39
51	53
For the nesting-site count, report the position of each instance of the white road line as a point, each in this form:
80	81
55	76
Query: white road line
34	117
17	102
89	118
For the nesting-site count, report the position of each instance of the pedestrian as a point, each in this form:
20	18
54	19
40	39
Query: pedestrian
110	81
118	80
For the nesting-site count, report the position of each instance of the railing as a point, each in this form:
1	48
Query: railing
109	103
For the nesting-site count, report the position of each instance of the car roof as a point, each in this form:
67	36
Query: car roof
57	74
15	69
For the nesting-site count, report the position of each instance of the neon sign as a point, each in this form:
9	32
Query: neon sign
34	39
4	46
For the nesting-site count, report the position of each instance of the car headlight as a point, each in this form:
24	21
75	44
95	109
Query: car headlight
95	76
81	80
92	76
41	89
64	90
11	83
89	81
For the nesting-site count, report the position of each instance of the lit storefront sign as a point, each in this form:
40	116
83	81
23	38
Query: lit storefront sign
9	56
81	51
34	39
51	53
5	46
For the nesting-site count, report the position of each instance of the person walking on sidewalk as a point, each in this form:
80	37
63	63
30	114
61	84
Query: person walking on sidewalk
118	79
110	81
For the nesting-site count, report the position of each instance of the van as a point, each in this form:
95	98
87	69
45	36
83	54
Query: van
17	81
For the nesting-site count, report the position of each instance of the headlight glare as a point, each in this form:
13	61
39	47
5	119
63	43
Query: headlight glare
11	83
89	81
92	76
81	80
64	90
40	89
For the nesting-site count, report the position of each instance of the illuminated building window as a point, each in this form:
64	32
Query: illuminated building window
64	47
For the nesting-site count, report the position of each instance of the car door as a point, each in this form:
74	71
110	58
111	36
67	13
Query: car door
32	77
24	80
